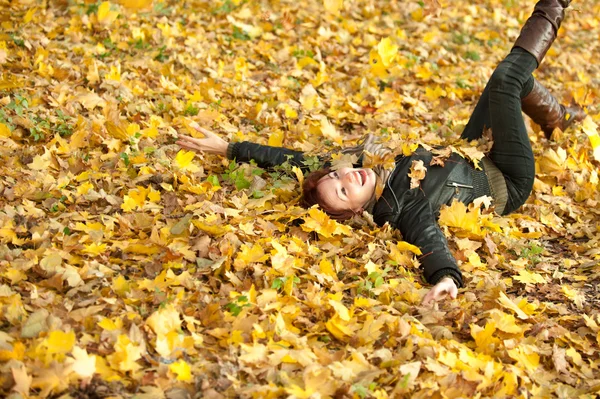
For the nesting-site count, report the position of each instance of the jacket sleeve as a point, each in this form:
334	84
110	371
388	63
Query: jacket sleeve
418	224
265	156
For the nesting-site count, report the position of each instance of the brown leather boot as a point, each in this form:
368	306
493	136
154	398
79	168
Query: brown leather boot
545	110
541	28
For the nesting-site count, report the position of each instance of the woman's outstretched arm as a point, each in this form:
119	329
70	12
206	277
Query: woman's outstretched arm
210	143
265	156
418	225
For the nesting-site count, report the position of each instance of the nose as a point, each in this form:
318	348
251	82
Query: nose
350	176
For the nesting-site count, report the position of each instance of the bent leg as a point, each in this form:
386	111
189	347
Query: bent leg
480	118
511	151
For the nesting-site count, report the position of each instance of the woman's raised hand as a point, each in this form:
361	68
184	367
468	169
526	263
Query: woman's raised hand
445	286
211	143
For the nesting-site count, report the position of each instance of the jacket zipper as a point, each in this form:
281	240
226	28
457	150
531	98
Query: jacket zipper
458	185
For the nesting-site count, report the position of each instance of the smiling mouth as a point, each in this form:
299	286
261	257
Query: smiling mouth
362	177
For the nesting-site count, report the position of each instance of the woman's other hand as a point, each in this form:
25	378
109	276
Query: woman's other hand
211	143
445	286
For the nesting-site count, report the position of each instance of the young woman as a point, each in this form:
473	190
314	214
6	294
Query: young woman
508	171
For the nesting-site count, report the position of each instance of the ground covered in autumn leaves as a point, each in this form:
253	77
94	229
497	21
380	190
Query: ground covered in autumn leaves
130	269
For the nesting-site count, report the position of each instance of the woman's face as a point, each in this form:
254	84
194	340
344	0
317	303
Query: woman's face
347	188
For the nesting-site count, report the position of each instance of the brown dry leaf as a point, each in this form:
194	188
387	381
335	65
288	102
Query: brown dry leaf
417	173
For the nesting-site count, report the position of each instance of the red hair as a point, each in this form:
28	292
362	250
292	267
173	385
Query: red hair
311	195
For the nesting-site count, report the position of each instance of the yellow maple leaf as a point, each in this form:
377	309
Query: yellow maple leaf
135	198
299	175
121	285
418	14
485	338
165	320
128	204
84	188
290	112
457	215
376	63
84	364
212	229
106	15
590	128
280	259
183	161
110	325
387	50
154	196
321	223
115	74
52	379
339	328
136	4
29	15
276	138
250	254
4	130
342	311
41	162
434	94
17	352
59	342
328	130
117	130
326	267
253	354
507	303
94	249
306	61
309	99
105	371
333	6
527	277
574	295
405	246
322	76
409	148
505	322
182	370
424	71
126	355
525	356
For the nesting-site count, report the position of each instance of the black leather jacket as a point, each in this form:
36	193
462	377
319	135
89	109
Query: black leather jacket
413	211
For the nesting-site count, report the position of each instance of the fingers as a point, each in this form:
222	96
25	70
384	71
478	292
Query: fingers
188	145
453	292
187	138
201	129
429	298
439	292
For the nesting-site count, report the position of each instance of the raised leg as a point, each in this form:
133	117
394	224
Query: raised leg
511	151
480	118
540	29
545	110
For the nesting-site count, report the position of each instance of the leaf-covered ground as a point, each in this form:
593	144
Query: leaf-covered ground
127	269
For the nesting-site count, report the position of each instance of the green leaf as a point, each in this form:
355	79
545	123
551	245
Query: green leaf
278	283
125	158
214	180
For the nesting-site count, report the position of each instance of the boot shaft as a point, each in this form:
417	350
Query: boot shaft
540	30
